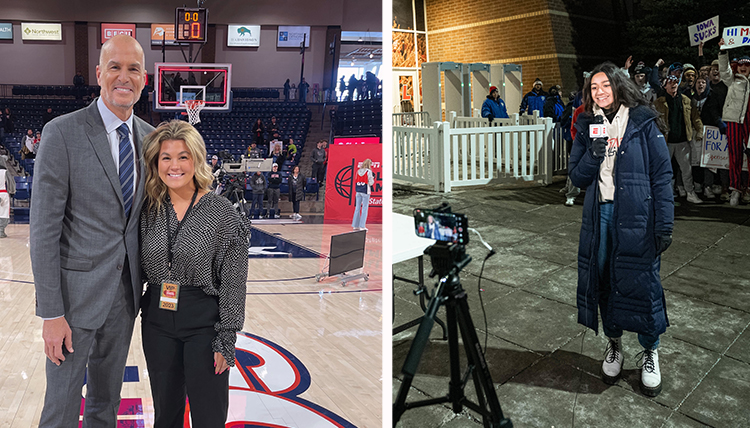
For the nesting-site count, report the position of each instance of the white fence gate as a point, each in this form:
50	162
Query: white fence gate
468	151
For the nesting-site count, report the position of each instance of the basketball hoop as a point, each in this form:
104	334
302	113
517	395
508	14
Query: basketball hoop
194	108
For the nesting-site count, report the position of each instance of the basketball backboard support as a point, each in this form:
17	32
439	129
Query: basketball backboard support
175	83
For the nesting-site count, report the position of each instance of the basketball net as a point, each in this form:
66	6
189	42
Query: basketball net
194	108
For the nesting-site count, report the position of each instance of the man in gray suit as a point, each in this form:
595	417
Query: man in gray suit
88	191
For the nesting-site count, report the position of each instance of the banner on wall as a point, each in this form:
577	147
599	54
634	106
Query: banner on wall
348	141
343	163
34	31
6	31
111	30
158	33
243	36
291	37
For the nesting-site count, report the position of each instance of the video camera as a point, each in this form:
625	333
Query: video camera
448	254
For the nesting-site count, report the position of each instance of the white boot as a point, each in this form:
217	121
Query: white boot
693	198
613	358
650	374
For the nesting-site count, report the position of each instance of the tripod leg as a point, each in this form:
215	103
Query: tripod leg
482	378
415	353
455	390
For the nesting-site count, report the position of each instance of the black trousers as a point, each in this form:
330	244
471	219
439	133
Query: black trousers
318	171
180	359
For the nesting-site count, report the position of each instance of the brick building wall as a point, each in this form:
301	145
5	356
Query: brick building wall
537	34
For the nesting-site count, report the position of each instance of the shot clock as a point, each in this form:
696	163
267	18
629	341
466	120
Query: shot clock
190	24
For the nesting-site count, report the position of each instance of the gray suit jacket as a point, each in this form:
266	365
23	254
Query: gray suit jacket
79	235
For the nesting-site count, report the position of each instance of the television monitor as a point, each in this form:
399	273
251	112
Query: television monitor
347	252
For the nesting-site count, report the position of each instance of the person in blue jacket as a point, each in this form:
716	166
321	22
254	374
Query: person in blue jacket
628	217
494	107
534	100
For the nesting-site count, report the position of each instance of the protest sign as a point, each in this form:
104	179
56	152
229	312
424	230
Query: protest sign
714	152
703	31
736	36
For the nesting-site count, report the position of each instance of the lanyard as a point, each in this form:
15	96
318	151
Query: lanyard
177	231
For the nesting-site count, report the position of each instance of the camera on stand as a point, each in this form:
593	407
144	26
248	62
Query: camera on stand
448	257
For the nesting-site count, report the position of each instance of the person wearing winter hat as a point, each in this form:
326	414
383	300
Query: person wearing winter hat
553	105
689	74
534	100
736	114
494	107
639	77
654	79
682	123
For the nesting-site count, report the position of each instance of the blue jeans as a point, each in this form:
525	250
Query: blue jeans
606	230
257	202
362	203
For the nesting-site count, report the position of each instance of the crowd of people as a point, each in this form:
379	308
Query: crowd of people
688	97
365	88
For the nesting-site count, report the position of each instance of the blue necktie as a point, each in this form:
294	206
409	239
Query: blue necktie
127	167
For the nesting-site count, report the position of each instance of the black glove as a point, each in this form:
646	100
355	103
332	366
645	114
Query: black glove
663	242
491	118
598	147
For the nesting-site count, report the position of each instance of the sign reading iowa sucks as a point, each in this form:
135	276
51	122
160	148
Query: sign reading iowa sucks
343	163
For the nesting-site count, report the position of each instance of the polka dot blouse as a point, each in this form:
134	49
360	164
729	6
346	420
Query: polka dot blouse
210	252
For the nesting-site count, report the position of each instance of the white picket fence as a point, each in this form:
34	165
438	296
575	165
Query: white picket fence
469	151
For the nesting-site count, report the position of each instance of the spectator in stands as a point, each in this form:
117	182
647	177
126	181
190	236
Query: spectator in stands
353	82
79	80
258	185
273	126
534	100
363	181
37	140
302	90
278	155
553	105
47	116
631	223
342	88
76	215
319	162
287	89
274	143
8	124
253	152
297	184
736	114
655	80
189	347
291	150
7	190
371	83
639	77
27	148
258	132
216	171
494	107
274	191
682	123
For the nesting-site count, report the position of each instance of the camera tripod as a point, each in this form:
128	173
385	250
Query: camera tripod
447	262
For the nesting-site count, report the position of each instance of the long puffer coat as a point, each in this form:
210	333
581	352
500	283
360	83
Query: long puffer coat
643	208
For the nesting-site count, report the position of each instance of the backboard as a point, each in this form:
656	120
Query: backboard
175	83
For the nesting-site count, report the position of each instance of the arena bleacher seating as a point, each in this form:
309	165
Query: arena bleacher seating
359	118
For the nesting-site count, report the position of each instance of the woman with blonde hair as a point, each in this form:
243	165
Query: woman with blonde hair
194	258
363	180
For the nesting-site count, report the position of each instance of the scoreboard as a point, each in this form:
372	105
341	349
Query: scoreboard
190	24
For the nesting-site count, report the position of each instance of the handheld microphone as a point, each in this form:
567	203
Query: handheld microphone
598	129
